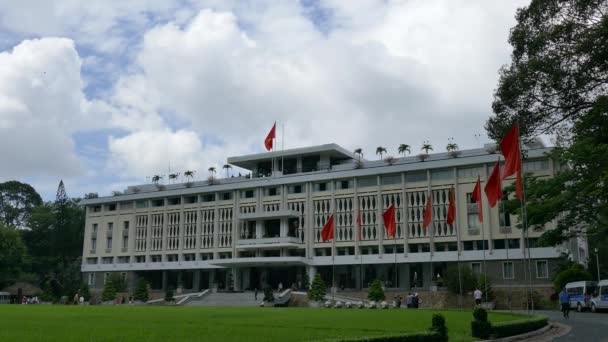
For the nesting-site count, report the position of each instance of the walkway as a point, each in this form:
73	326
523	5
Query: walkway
586	326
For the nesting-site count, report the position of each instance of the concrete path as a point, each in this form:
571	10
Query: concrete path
586	326
228	299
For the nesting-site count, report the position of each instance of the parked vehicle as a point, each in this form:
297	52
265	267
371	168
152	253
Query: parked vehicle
599	300
580	294
5	298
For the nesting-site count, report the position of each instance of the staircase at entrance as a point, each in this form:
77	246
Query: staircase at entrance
228	299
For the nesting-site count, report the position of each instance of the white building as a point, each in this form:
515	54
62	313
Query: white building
258	231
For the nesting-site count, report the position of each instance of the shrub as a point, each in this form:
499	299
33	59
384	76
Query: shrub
169	295
119	283
467	276
84	291
109	291
317	289
141	291
485	285
481	329
375	291
480	314
575	272
510	328
438	326
268	295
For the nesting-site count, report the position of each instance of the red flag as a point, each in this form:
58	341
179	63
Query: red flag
451	208
389	221
493	187
327	233
428	212
509	147
476	197
359	222
271	135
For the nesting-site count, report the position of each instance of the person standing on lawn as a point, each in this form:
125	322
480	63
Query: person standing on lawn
564	301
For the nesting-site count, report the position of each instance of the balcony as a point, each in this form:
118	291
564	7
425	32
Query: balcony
274	242
267	215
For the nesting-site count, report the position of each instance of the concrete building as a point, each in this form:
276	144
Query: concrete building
264	229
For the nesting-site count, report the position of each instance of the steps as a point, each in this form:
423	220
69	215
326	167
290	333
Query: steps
227	299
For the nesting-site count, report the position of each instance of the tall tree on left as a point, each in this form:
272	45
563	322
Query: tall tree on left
12	254
17	201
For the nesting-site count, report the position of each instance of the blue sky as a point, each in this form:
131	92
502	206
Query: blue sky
103	93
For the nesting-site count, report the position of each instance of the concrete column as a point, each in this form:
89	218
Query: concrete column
283	229
196	280
165	280
236	277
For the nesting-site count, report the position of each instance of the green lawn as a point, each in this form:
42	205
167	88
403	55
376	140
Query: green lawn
153	323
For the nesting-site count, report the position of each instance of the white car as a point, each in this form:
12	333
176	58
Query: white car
599	301
580	294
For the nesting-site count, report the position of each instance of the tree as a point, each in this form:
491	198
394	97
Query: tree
359	153
17	201
91	195
119	283
227	167
485	285
156	179
173	176
141	291
467	278
109	291
316	293
12	254
380	150
189	174
427	147
84	291
404	148
375	291
451	147
575	272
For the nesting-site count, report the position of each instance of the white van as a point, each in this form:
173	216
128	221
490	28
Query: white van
599	300
580	294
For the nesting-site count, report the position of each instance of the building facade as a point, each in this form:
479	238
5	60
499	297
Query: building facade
265	228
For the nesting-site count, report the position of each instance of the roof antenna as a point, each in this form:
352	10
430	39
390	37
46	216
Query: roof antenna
477	136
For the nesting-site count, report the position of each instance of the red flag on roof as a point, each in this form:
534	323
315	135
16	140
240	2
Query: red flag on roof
476	197
451	208
493	187
389	221
509	147
270	137
428	211
327	233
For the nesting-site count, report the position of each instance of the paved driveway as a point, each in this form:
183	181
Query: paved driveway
586	326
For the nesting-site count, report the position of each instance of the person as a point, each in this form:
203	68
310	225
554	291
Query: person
398	301
280	287
477	295
408	300
416	301
81	300
564	301
76	296
255	293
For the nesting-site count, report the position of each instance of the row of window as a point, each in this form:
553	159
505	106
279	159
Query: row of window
508	269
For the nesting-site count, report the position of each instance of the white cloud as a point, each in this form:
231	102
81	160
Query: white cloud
41	105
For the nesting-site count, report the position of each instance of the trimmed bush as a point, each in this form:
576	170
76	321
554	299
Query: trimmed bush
109	291
481	329
317	289
141	291
376	292
480	314
268	295
438	326
510	328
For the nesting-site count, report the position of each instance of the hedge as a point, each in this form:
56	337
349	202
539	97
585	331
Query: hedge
411	337
520	326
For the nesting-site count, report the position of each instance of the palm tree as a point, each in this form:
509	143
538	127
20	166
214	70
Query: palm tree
173	176
227	167
359	152
189	174
403	148
451	147
156	178
211	170
380	150
426	147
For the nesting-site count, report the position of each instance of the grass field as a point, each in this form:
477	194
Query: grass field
137	323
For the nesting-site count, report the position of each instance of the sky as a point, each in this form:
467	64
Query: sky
106	93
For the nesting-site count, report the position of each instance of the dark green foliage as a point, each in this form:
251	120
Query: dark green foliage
84	292
169	295
576	272
510	328
119	284
438	326
485	285
316	293
12	254
230	281
17	201
375	291
481	329
468	279
305	281
268	295
480	314
109	291
141	291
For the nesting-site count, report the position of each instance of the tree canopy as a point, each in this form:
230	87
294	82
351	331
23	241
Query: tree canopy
17	201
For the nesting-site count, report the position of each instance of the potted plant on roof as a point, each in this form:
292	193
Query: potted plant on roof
404	148
189	176
155	180
426	147
390	160
380	150
173	177
227	167
452	149
211	177
358	162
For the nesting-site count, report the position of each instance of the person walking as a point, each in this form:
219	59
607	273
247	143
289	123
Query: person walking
564	301
408	300
255	293
477	294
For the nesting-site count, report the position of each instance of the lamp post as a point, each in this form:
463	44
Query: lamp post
597	263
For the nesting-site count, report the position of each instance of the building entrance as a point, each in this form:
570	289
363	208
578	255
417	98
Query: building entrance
263	277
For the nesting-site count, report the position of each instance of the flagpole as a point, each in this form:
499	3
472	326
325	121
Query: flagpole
333	251
502	208
453	196
282	147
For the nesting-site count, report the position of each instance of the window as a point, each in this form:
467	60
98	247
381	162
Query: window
542	269
106	277
473	221
391	179
141	204
123	277
470	172
112	207
189	257
123	260
91	261
507	270
271	191
97	209
107	260
295	189
175	201
442	174
126	205
94	237
367	181
155	258
158	202
531	242
140	259
206	256
190	199
321	186
476	267
504	215
251	193
226	196
416	177
172	257
208	197
344	184
109	235
91	281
